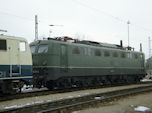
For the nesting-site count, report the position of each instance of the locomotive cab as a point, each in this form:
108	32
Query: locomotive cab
47	63
40	56
15	64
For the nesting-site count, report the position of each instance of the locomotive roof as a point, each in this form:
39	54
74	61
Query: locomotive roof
84	42
99	44
12	37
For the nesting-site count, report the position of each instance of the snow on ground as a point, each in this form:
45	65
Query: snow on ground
19	106
142	109
27	104
146	80
9	107
30	88
97	98
27	88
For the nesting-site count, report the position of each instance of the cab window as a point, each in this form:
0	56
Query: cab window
43	49
33	49
22	46
3	45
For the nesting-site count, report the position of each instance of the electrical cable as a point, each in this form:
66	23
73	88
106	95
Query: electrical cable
13	15
110	15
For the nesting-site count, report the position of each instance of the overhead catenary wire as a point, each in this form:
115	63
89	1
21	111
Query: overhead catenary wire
98	10
42	21
91	7
16	16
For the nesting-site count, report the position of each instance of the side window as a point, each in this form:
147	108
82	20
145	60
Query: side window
15	69
63	50
123	55
75	50
130	55
3	45
89	51
43	49
115	54
97	52
85	51
106	53
22	46
136	56
33	48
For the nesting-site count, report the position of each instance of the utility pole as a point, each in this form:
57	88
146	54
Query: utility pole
36	27
128	32
149	41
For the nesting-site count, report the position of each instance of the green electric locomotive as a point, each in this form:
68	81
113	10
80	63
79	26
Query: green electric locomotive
65	63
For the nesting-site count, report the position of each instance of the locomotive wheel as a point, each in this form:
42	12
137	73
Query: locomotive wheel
12	87
50	84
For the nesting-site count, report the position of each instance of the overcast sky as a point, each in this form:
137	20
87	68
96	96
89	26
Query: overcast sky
97	20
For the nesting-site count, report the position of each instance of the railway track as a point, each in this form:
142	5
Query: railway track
47	92
33	94
77	103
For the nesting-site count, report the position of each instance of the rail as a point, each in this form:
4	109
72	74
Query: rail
72	104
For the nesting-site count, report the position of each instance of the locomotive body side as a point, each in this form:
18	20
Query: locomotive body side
15	64
149	68
66	65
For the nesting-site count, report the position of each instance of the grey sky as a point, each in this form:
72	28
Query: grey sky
98	20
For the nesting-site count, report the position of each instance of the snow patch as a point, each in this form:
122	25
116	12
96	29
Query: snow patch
37	102
86	93
97	98
70	96
132	105
146	80
16	106
26	88
49	100
27	104
141	109
9	107
78	96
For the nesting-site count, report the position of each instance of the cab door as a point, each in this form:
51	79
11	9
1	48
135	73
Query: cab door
63	57
15	60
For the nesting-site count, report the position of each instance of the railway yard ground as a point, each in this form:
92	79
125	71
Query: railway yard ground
127	104
141	103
